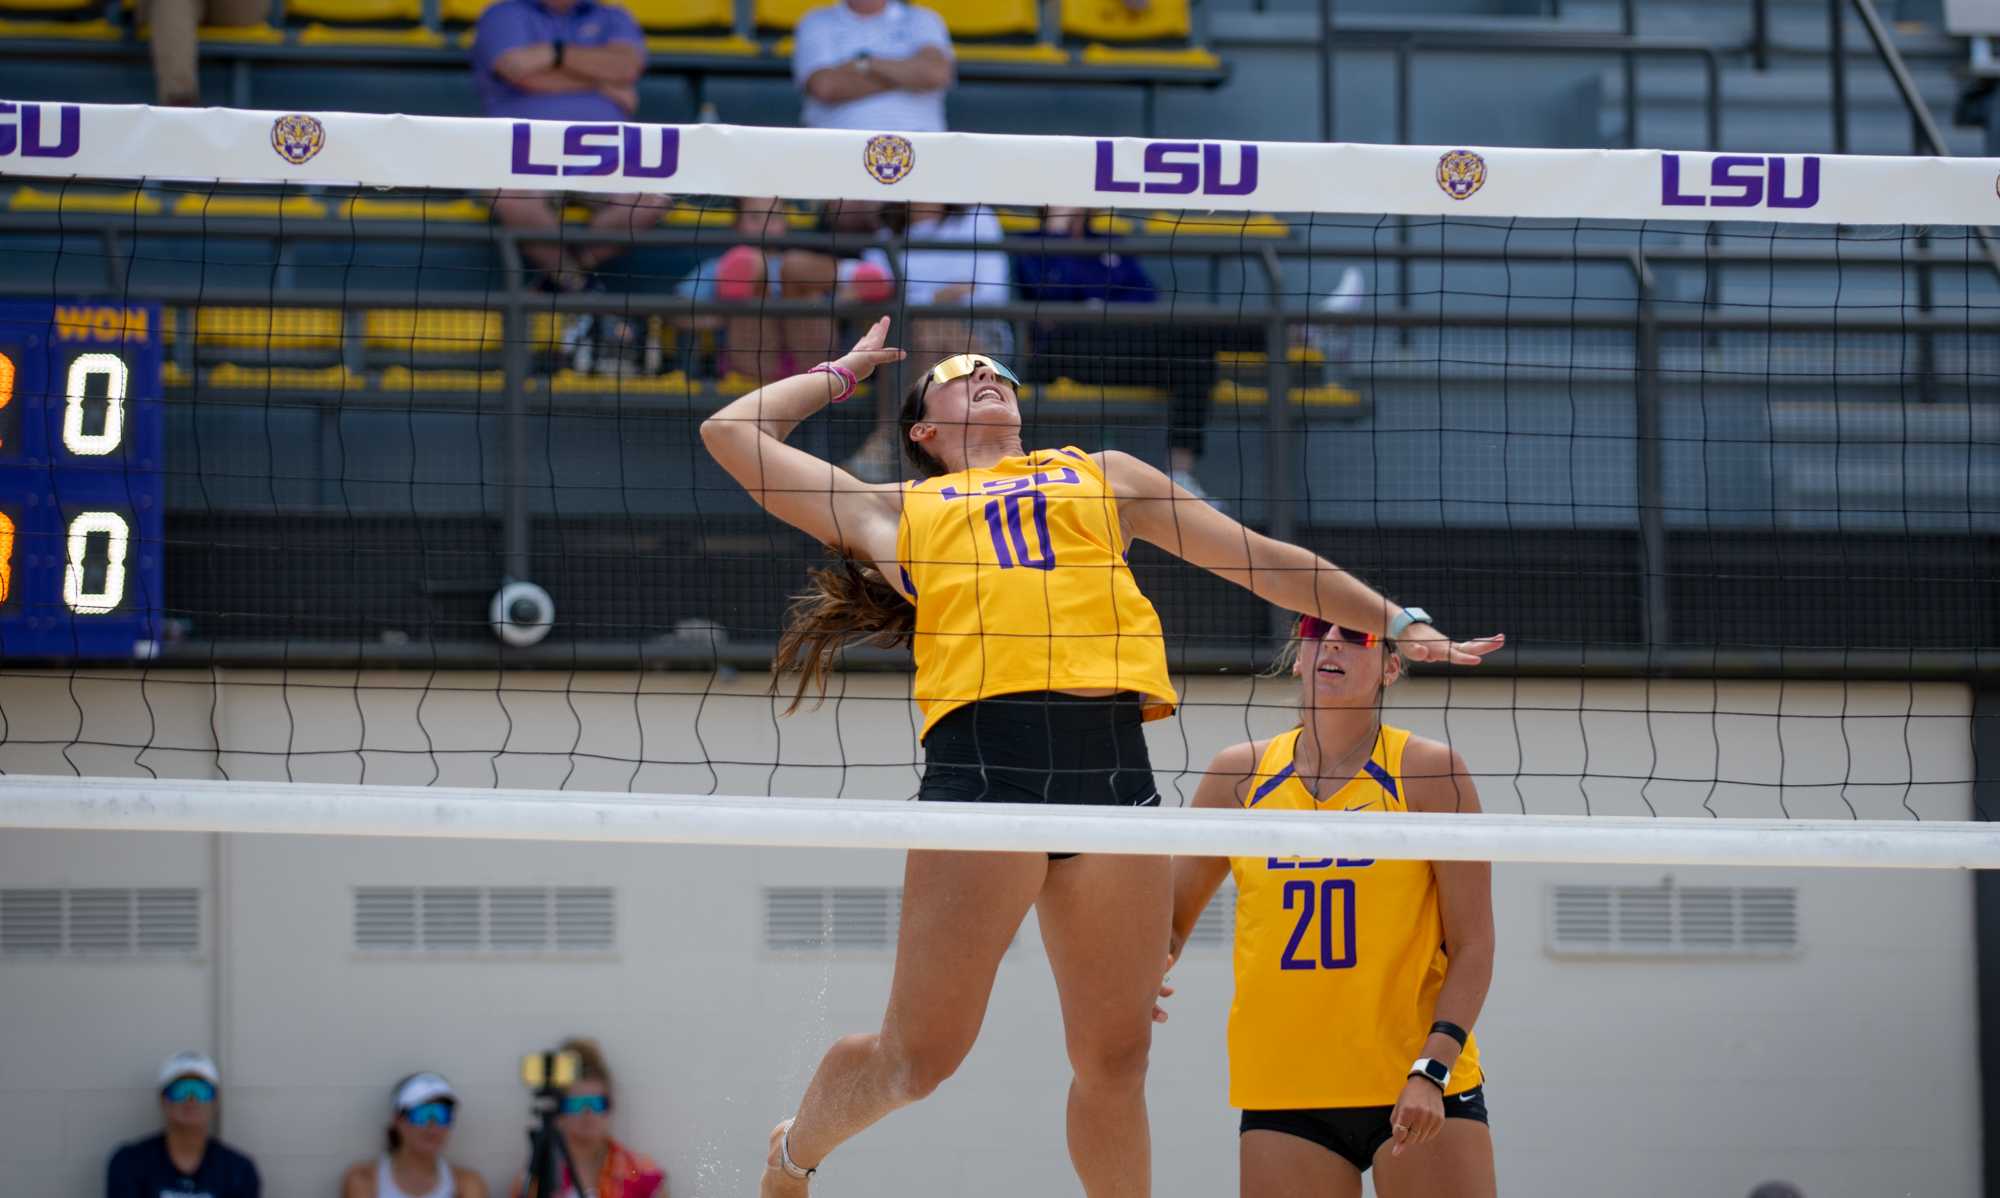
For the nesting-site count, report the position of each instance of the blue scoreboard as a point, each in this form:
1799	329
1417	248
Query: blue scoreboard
82	472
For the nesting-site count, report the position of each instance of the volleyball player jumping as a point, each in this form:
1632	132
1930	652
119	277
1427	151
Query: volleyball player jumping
1356	980
1037	660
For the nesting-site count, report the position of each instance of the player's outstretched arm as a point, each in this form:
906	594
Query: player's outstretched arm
747	438
1155	508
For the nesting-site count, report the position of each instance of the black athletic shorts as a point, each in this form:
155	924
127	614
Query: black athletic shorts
1354	1133
1041	747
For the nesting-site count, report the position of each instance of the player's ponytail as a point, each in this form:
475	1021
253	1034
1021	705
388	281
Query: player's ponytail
846	603
850	602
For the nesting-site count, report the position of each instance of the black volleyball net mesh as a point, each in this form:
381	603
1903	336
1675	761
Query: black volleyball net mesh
405	484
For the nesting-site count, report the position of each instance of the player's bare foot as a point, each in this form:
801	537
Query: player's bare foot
780	1182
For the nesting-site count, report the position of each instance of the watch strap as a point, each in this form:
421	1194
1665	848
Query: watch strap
1401	621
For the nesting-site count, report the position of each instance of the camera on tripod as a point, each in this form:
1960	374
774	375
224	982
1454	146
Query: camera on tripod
547	1075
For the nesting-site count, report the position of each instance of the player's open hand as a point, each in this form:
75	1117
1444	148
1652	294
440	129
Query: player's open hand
870	352
1421	642
1418	1117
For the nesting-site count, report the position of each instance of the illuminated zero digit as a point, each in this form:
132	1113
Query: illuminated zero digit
6	380
76	388
111	592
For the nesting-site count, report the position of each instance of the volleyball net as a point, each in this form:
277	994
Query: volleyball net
361	451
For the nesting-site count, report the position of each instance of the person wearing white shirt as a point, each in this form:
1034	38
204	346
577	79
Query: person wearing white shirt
973	274
880	65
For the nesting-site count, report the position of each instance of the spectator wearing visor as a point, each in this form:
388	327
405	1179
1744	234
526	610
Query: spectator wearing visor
422	1108
585	1122
185	1157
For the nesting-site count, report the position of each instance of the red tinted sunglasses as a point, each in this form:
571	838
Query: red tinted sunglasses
1313	628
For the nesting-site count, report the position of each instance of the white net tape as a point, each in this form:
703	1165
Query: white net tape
464	813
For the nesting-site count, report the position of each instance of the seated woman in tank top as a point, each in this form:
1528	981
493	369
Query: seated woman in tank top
422	1108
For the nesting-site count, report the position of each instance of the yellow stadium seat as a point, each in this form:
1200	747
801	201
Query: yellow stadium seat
402	378
296	207
988	18
355	12
783	14
1067	390
462	209
1040	53
683	16
283	378
269	328
1185	58
727	45
87	31
346	35
461	12
50	6
1112	21
431	330
241	35
121	203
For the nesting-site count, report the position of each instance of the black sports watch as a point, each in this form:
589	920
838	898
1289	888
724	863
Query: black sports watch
1432	1070
559	54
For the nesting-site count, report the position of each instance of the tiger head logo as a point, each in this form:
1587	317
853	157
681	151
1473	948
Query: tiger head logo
297	138
889	158
1461	173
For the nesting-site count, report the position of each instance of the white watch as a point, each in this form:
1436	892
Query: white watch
1433	1071
1401	621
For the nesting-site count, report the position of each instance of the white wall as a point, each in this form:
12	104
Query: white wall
1847	1068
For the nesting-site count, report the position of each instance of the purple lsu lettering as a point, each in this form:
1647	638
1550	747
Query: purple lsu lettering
29	134
1319	863
1063	477
1178	168
1741	181
601	150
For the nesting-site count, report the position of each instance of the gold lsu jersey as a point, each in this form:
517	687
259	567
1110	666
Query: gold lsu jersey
1338	961
1020	583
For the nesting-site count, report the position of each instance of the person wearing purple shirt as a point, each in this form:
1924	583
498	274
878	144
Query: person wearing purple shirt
567	60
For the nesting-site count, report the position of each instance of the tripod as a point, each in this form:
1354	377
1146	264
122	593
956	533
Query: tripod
548	1152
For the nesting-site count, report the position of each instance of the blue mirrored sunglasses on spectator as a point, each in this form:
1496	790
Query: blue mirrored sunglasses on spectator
189	1089
429	1114
577	1104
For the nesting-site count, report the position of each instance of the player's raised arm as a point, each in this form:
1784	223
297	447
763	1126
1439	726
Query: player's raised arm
1155	508
747	437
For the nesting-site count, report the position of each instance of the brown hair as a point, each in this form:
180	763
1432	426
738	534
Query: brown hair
850	603
590	1065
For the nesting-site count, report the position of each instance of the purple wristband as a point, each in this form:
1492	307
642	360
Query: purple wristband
847	380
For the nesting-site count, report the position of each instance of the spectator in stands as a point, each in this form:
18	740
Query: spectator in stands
185	1157
880	65
765	347
1179	359
568	60
970	277
615	1170
422	1108
176	48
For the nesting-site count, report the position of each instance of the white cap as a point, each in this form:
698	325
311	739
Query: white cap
420	1088
189	1064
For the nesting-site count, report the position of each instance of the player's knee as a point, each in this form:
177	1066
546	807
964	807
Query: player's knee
1113	1061
919	1070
